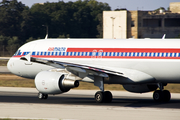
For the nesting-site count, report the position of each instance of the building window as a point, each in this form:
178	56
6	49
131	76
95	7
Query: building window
132	23
156	22
172	22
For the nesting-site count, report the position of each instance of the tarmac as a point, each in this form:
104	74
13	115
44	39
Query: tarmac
22	103
4	69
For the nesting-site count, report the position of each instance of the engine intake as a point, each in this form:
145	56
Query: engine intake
53	82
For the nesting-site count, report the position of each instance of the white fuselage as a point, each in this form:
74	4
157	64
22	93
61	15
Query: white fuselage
159	58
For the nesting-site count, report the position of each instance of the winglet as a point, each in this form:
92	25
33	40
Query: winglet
46	36
164	36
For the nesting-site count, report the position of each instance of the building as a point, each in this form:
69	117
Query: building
142	24
38	3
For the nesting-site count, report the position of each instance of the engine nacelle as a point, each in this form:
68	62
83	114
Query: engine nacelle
53	82
140	88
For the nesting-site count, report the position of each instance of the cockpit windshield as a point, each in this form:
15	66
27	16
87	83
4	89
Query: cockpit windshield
17	52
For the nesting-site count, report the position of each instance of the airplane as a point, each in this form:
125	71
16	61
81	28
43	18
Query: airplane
139	65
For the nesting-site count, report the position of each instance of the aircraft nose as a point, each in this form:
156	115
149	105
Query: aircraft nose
13	66
10	65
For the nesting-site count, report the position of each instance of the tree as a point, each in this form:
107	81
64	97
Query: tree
78	20
26	25
3	44
40	18
13	45
100	26
97	13
10	17
30	39
178	36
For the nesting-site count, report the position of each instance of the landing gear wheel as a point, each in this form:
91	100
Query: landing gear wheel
167	96
42	96
99	97
103	97
108	96
158	96
162	96
45	96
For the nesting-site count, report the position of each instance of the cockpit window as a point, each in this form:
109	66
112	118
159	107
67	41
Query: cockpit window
17	52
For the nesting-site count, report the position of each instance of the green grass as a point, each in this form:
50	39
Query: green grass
7	119
9	80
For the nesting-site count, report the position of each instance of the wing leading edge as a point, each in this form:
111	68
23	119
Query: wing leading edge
130	75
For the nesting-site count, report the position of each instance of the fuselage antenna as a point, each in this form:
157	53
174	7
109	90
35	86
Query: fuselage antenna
164	36
46	36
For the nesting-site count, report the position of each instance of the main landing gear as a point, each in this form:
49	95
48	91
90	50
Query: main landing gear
161	95
102	96
42	96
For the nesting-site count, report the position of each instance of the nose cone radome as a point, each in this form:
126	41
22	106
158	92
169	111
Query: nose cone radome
10	65
13	66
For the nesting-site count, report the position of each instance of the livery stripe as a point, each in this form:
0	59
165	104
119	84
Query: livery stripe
171	50
115	57
118	53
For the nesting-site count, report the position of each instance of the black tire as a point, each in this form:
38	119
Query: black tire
45	96
158	96
167	96
99	97
40	96
108	97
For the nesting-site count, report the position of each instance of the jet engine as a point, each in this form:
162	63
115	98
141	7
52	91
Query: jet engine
54	82
140	88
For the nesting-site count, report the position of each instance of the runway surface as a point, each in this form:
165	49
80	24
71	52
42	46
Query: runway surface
4	69
80	105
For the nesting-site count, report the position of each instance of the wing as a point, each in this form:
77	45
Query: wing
73	66
129	75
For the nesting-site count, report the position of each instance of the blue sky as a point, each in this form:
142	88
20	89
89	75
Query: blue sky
129	4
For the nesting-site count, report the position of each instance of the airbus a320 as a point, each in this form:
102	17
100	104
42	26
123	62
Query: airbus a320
140	65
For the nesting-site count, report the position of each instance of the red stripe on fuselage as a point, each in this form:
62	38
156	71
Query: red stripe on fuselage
159	50
122	50
97	57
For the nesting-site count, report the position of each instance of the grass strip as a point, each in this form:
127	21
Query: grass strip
3	62
19	119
